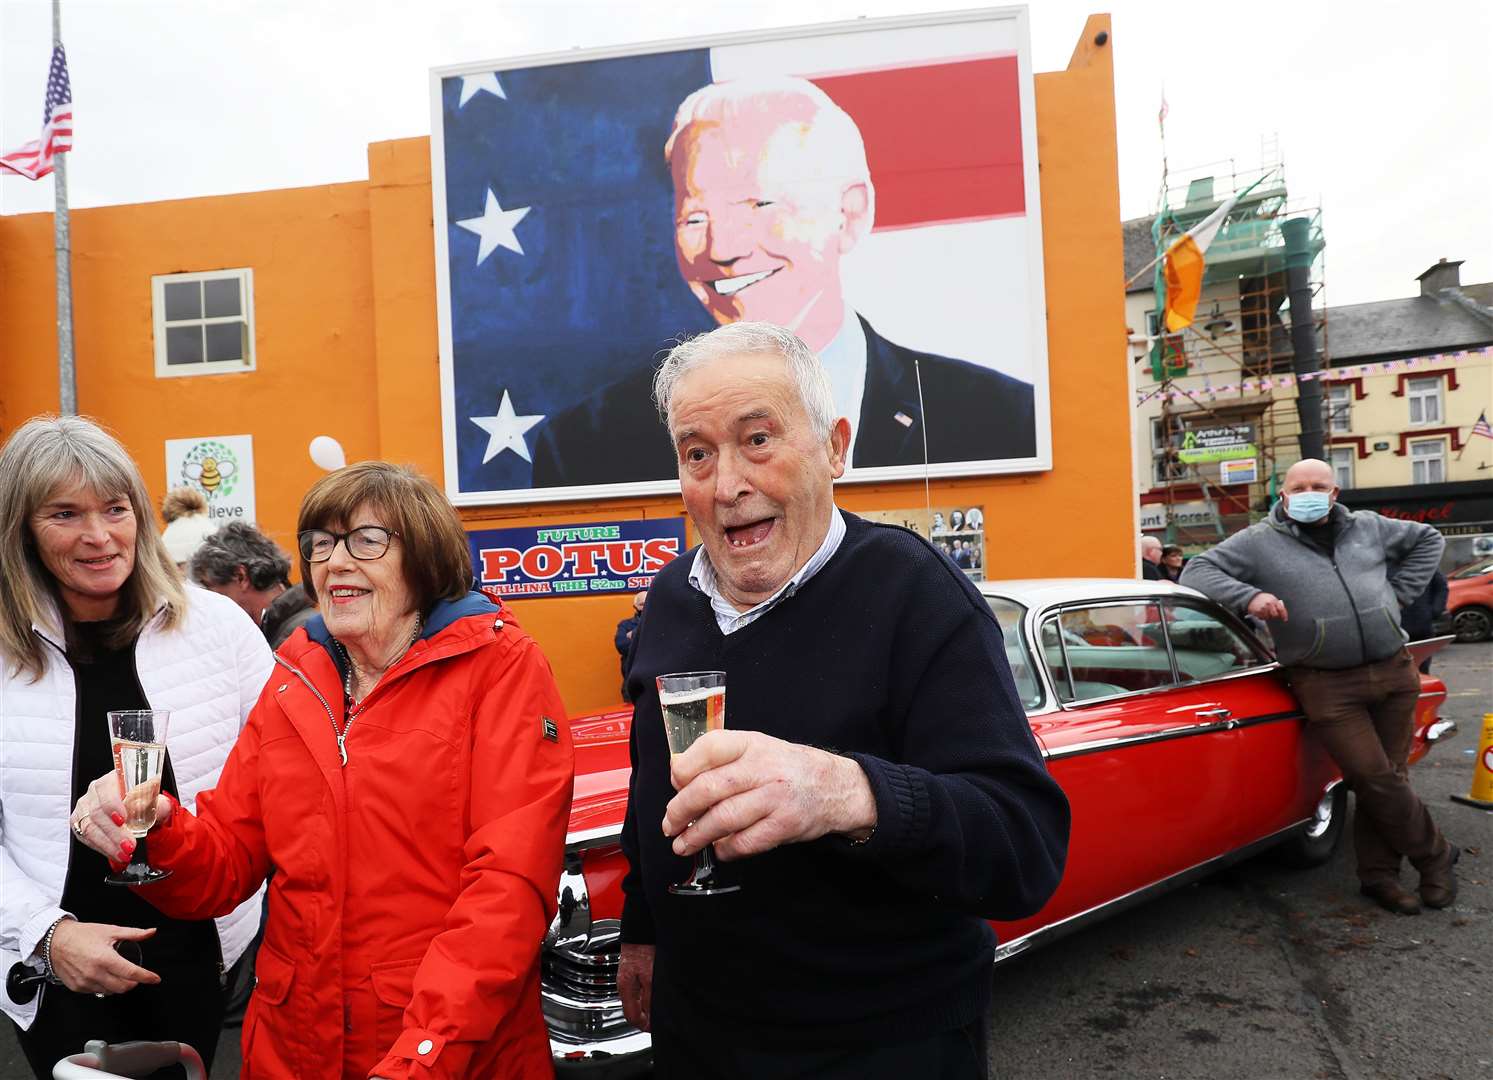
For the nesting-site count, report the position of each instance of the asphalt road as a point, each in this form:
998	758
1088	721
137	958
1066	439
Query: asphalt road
1262	972
1258	973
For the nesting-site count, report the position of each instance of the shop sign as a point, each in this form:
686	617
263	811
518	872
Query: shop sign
1238	471
1152	517
1195	515
1221	442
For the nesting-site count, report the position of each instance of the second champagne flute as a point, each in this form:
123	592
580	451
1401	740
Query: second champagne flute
694	702
138	737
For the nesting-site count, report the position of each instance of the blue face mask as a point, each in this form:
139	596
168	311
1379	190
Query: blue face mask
1308	506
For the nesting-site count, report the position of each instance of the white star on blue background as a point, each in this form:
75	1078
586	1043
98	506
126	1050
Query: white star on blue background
472	85
495	227
505	431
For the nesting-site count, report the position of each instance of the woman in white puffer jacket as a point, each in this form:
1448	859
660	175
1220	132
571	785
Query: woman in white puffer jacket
92	618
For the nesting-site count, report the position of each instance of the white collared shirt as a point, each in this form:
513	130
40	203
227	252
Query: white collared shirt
844	360
702	576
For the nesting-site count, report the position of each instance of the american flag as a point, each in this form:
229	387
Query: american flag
34	160
1482	427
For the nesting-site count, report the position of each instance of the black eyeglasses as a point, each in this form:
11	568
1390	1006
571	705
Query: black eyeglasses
365	542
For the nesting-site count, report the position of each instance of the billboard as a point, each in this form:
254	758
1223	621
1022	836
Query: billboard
871	185
574	560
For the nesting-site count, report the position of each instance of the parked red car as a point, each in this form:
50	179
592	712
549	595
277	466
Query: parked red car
1469	601
1167	722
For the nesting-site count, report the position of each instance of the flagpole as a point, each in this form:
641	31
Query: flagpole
62	240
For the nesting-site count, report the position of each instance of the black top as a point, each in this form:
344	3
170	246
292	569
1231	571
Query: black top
889	655
106	679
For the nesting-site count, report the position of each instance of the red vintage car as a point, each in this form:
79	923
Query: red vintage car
1469	600
1168	724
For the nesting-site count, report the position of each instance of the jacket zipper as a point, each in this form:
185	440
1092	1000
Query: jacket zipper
1363	647
71	839
341	734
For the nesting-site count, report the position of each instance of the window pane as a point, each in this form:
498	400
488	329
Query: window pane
1052	652
1433	408
225	341
1416	411
1204	645
183	344
1115	649
220	297
183	300
1009	615
1433	471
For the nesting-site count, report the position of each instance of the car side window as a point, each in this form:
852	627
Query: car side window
1204	645
1115	649
1057	664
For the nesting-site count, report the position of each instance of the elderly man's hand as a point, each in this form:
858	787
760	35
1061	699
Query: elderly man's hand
1268	606
746	793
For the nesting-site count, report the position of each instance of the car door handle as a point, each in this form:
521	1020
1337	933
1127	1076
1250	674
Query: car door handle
1223	716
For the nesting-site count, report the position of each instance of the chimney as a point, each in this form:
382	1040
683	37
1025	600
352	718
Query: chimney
1444	275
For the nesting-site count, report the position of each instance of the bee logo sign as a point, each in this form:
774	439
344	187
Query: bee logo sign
221	467
574	560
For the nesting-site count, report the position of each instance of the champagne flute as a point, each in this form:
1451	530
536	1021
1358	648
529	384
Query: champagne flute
694	702
138	738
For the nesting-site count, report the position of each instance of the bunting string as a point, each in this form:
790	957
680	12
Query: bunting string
1267	383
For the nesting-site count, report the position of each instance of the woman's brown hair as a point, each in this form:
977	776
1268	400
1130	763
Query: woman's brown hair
437	560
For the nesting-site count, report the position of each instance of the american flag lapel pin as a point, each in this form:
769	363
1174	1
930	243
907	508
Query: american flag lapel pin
903	419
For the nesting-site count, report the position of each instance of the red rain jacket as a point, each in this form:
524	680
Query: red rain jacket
413	885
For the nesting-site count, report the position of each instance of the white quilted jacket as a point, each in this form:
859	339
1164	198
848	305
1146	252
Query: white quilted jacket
208	672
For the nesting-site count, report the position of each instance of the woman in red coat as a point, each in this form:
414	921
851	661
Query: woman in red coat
407	775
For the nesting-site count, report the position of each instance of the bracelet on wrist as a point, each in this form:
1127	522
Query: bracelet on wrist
46	952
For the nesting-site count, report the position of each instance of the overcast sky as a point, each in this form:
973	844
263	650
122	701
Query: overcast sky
1381	110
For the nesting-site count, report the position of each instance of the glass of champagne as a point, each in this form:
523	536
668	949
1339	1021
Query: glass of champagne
138	738
694	702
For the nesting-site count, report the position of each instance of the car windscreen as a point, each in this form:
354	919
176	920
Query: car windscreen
1475	570
1010	615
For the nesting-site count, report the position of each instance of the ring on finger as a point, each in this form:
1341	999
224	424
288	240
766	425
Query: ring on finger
78	826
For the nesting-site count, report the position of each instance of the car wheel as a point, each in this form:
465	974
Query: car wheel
1473	623
1314	844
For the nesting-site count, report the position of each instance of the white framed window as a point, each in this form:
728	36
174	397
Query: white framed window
1425	400
204	323
1341	459
1428	461
1339	410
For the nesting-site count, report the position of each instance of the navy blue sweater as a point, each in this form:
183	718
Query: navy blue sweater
889	655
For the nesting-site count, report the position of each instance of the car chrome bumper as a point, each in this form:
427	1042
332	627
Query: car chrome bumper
1440	730
623	1056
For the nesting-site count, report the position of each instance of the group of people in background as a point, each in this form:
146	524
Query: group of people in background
399	773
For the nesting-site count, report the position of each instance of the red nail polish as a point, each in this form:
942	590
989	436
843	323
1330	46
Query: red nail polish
127	848
117	818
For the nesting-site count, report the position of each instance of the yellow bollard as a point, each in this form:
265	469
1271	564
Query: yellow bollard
1481	795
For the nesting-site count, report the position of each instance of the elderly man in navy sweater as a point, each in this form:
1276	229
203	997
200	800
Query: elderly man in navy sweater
877	793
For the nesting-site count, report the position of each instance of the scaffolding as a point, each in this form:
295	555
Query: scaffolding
1224	370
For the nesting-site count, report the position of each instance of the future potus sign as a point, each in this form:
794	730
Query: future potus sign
571	560
872	185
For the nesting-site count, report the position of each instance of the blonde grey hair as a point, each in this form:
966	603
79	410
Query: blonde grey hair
828	133
43	455
750	339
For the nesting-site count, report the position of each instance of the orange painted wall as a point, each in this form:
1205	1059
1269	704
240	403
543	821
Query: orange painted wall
346	324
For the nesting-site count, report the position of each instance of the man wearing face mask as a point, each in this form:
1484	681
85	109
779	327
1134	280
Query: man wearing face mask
1330	583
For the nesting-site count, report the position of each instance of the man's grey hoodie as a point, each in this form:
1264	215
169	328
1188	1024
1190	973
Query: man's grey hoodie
1342	609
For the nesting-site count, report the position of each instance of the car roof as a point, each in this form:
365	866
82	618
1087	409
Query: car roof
1044	592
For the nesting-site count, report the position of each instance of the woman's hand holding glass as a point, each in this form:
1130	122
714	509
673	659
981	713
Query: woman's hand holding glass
99	818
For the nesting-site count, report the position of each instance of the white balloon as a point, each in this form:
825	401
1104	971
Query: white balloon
327	453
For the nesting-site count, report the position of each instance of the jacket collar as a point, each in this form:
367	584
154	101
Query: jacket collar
891	416
442	617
